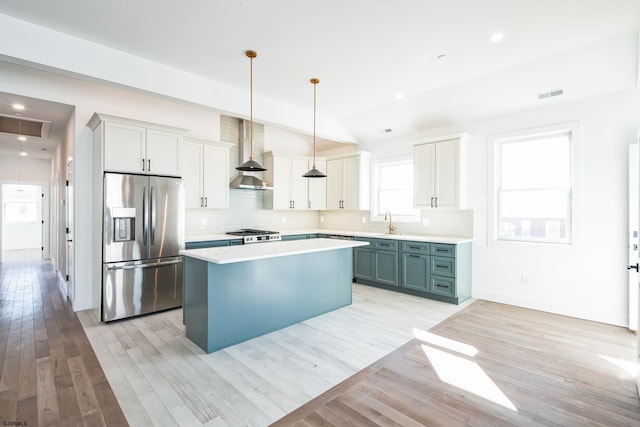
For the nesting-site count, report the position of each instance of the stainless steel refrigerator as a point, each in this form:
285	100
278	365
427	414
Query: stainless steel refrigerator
143	232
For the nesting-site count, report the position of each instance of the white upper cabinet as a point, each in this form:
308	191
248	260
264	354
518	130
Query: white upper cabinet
317	186
440	173
204	167
291	191
138	147
348	181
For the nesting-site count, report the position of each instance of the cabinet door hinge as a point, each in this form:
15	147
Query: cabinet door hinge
66	183
67	277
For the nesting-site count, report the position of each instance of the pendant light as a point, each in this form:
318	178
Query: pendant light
314	172
251	165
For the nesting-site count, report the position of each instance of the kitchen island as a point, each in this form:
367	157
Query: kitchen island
235	293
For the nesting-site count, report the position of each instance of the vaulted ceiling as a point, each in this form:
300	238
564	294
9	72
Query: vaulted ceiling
385	67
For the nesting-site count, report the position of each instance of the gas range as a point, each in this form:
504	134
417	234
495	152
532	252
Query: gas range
256	236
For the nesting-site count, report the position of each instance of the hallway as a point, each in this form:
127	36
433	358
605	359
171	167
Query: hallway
49	373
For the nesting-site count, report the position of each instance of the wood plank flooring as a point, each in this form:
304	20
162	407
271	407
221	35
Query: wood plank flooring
491	365
49	375
388	359
161	378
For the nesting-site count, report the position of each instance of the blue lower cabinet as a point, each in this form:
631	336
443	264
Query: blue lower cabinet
415	271
445	286
363	263
386	267
434	270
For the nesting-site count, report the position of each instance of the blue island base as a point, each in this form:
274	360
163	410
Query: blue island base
225	304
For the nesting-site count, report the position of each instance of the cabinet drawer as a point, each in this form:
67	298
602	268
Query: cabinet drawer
415	247
443	286
386	245
443	266
442	249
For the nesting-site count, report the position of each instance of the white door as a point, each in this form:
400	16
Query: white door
634	189
424	159
634	241
447	174
334	184
317	187
215	176
299	184
163	153
69	232
124	148
191	169
351	183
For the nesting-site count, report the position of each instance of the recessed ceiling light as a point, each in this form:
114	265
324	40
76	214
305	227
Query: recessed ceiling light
22	138
399	96
496	37
23	153
19	107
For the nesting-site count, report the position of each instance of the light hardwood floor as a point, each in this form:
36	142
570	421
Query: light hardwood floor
492	365
49	375
162	378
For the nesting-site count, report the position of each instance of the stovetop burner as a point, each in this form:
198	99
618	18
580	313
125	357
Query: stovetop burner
250	235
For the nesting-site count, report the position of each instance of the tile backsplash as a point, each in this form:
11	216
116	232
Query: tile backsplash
245	211
453	223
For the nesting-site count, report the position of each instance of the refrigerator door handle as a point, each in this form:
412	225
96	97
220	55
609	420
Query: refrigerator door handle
152	211
148	265
145	216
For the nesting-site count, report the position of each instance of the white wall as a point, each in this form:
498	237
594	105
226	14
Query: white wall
587	279
21	236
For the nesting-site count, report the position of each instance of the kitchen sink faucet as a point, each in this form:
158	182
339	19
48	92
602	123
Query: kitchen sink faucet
391	229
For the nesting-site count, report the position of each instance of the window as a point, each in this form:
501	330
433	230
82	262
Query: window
533	186
393	190
20	203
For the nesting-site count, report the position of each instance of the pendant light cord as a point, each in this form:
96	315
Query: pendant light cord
251	56
315	83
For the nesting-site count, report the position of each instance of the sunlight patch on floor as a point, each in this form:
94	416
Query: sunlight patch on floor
628	369
440	341
466	375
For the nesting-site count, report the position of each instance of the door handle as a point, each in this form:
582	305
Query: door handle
206	202
149	165
634	267
142	165
145	216
152	212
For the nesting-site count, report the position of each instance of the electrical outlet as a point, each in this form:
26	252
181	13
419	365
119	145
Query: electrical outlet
284	219
364	219
321	218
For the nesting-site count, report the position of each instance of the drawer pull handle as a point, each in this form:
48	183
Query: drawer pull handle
414	256
441	266
414	247
442	250
384	244
442	286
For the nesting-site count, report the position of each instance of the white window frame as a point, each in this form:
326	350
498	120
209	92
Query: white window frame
375	181
574	128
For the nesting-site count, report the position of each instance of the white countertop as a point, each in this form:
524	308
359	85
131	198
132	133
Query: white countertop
252	252
366	234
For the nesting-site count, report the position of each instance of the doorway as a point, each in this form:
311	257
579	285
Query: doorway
22	218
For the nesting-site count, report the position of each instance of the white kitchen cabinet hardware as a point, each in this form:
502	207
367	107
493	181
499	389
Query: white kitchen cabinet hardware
204	166
137	147
348	181
440	173
291	191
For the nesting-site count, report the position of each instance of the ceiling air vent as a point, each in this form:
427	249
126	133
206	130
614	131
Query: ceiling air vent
23	126
549	94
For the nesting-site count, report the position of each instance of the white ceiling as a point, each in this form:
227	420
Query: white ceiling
366	52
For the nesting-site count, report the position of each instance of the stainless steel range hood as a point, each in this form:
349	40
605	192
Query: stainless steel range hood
247	180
